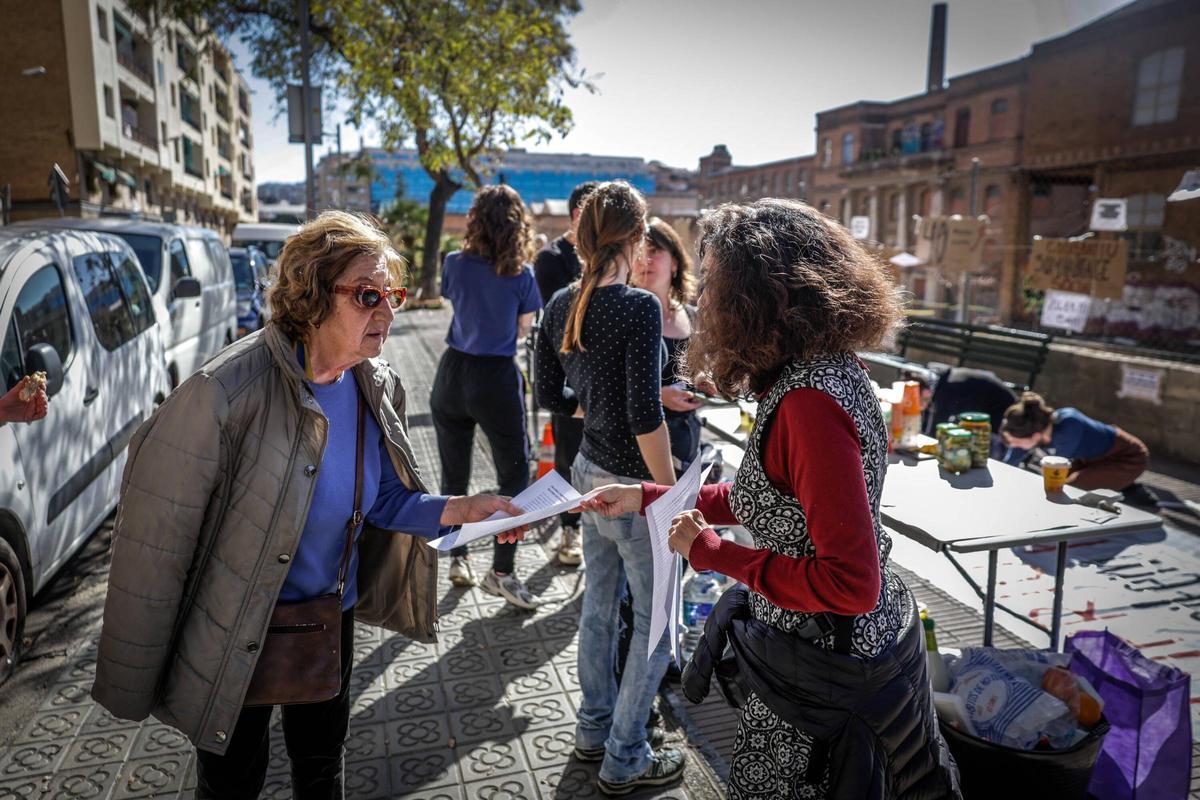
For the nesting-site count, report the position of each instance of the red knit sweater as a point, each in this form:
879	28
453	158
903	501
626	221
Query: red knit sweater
811	452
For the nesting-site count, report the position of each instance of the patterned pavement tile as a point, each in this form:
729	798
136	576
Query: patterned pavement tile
477	724
368	780
156	739
549	746
491	759
95	781
99	720
567	782
98	748
152	777
29	787
25	760
404	736
504	787
70	693
366	742
401	648
537	682
53	725
464	663
428	769
474	692
404	674
543	712
519	656
414	701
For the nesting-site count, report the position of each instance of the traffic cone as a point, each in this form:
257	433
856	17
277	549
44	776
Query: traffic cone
546	451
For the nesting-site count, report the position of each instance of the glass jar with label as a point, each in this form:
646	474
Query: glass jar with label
957	454
980	426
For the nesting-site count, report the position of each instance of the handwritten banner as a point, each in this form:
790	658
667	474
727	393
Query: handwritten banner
951	244
1093	267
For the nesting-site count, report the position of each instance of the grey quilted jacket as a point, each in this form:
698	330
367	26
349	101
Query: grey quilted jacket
213	501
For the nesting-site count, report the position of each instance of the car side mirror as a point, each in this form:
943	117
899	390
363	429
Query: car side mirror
186	287
41	357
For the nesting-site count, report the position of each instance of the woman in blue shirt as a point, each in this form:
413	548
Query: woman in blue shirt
495	295
1102	456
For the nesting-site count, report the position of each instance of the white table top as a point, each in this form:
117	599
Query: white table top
985	509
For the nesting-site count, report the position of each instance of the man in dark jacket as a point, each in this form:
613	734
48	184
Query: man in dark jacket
556	267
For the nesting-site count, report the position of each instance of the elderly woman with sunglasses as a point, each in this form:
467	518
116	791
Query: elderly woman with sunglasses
280	474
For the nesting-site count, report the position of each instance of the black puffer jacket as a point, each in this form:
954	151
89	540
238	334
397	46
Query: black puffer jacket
874	719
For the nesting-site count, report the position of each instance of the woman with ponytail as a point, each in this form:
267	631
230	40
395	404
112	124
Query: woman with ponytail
1102	456
599	357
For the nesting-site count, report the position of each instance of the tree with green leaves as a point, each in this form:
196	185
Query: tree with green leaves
461	80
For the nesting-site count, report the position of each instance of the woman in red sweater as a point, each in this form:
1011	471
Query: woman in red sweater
788	297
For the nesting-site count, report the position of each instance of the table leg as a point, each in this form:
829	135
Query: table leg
989	603
1060	569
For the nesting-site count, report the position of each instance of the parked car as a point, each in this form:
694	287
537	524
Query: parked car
191	279
266	236
250	277
76	305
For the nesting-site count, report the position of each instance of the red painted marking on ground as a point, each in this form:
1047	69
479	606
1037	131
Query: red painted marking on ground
1186	654
1154	644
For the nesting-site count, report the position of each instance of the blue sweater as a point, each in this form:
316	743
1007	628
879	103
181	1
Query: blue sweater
1073	435
486	306
386	501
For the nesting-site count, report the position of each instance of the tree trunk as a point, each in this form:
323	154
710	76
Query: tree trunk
431	258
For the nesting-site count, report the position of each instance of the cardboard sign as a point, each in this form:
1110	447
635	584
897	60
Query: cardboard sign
1109	214
1141	383
951	244
1093	267
1066	310
860	227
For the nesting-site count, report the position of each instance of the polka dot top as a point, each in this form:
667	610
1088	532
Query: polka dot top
616	378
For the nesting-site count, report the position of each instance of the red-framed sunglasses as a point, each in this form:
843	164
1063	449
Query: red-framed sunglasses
371	296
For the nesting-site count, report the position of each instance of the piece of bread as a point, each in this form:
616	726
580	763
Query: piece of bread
33	383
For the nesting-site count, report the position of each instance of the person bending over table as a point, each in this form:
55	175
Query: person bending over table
1102	456
788	298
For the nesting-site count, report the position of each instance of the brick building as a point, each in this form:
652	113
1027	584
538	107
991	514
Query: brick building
720	181
1114	112
144	120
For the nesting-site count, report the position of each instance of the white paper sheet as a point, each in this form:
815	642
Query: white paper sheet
549	495
665	601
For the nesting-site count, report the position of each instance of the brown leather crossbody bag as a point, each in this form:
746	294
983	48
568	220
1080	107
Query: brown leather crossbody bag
301	659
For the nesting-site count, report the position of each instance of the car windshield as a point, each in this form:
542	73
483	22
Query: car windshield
243	276
149	253
271	247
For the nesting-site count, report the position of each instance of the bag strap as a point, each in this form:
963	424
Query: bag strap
357	517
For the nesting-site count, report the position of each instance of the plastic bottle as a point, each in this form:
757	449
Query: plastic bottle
700	593
939	678
911	402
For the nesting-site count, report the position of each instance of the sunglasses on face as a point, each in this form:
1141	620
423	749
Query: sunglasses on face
371	296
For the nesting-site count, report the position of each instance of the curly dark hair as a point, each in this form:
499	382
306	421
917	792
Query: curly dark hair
782	283
499	229
1028	416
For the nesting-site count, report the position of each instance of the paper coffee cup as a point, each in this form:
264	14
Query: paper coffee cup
1054	472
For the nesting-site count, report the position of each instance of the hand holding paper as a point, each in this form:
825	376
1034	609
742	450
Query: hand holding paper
685	527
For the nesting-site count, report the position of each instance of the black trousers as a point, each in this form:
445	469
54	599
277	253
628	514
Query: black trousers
568	436
314	734
484	391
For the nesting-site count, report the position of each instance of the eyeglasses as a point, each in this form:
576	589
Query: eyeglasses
371	296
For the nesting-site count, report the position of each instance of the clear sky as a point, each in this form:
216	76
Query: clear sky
676	77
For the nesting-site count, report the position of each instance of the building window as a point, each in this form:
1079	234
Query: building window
897	141
108	103
1158	83
997	125
848	148
958	201
162	76
894	206
102	23
992	198
826	152
1145	211
172	95
962	127
926	137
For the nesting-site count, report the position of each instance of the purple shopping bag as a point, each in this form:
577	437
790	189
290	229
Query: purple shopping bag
1147	754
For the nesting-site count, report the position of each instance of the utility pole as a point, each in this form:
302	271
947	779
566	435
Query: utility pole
310	200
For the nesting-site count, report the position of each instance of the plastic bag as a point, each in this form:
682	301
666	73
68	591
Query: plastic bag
1005	708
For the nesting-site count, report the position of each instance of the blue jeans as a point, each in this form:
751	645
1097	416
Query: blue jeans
615	550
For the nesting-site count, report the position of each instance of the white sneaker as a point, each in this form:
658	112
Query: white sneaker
461	573
570	551
510	588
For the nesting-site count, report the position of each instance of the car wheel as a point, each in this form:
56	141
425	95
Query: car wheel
12	609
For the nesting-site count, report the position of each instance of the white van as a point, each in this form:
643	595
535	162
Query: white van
75	305
191	279
266	236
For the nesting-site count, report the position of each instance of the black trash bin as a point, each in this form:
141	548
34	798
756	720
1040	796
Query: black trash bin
988	770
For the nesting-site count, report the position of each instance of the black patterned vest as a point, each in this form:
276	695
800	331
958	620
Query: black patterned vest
776	520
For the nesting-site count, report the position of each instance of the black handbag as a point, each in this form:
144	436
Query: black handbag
301	659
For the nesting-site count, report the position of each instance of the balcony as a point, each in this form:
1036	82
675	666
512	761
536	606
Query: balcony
140	69
881	161
193	158
224	146
243	102
189	110
221	102
142	136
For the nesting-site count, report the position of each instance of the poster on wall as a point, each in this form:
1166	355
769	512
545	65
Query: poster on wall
1141	383
860	227
951	244
1109	214
1066	310
1094	267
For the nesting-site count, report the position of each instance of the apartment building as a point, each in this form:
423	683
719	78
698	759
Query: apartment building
146	117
